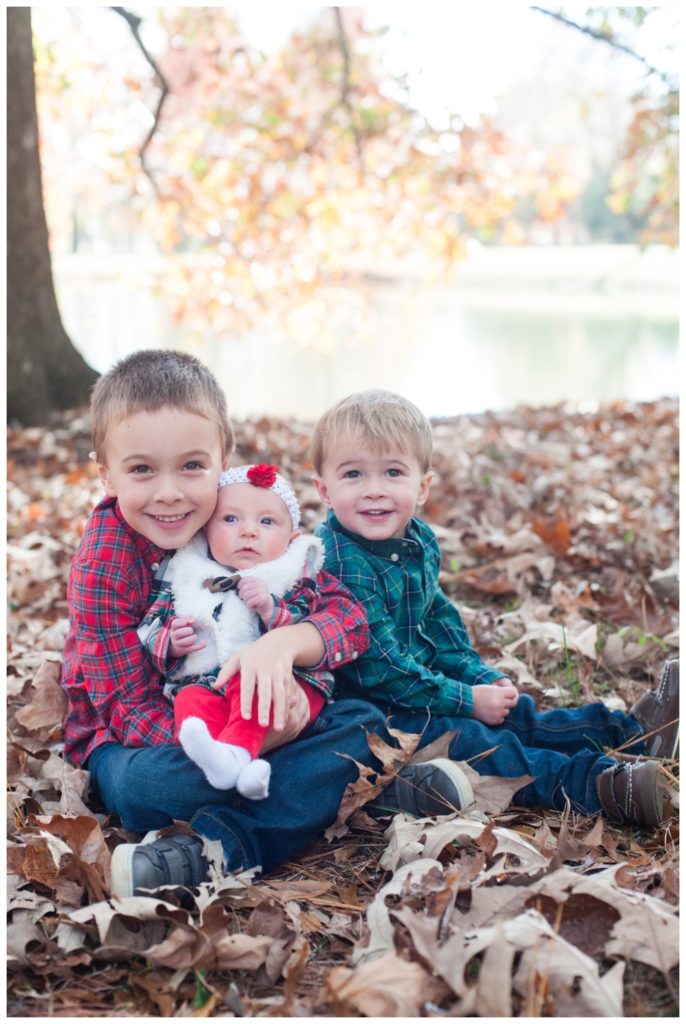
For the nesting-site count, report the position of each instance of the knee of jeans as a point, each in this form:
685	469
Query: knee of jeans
139	815
131	803
352	712
525	708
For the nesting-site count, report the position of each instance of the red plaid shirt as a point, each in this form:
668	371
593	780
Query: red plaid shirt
115	693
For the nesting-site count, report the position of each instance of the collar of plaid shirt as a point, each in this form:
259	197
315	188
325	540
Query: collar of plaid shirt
413	543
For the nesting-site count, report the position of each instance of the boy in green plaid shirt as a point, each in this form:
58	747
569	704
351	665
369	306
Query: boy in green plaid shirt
372	456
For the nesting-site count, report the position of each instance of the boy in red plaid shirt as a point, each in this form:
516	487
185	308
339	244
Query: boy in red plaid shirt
162	438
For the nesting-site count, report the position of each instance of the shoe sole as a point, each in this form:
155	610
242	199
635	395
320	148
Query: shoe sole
675	747
121	870
672	669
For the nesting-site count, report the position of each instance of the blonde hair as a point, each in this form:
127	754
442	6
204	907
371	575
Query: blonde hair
381	419
156	379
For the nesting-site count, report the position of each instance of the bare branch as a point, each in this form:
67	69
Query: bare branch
134	23
345	85
603	38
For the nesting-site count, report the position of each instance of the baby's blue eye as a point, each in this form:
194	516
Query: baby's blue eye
230	518
267	521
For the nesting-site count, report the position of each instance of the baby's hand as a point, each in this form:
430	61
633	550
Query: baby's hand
255	594
493	703
183	639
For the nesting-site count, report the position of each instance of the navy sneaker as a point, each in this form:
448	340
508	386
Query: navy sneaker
425	790
173	860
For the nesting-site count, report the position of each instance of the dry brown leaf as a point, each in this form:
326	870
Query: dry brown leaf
493	986
582	919
643	928
554	531
492	793
384	987
379	938
157	988
48	701
425	837
23	931
573	984
440	747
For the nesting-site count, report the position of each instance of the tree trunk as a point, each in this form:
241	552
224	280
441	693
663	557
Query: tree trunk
45	373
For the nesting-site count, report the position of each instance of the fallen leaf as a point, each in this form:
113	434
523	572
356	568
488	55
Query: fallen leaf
48	701
384	987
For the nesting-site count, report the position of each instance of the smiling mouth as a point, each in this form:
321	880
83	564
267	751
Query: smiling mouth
377	512
171	519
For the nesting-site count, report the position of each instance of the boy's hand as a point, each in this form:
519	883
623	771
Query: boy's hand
265	666
256	596
183	639
297	717
493	703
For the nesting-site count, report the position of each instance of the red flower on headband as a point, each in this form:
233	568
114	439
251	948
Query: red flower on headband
262	476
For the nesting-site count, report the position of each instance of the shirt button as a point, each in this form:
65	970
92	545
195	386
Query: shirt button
395	556
155	566
354	655
337	657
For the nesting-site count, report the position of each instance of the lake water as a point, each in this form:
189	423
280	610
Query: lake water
499	339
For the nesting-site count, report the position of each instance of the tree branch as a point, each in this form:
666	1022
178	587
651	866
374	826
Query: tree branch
134	23
345	85
601	37
344	98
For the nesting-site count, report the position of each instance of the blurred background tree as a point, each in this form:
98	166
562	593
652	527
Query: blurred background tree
642	192
45	372
281	179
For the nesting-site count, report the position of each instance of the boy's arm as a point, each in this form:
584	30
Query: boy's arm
334	634
300	602
390	674
341	621
119	681
455	655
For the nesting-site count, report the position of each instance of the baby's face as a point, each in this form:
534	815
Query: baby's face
249	525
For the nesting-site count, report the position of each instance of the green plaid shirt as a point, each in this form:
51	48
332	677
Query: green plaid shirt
420	655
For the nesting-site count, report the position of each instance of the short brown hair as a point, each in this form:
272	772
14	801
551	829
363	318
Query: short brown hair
156	379
381	418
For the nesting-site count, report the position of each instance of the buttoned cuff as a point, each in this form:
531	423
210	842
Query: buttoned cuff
338	649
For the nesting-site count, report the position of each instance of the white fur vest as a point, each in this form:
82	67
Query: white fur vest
222	621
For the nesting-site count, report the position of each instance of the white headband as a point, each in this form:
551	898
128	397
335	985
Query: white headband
270	479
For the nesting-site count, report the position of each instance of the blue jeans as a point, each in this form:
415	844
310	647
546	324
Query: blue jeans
149	787
561	748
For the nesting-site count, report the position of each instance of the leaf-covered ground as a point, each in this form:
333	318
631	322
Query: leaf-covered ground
559	531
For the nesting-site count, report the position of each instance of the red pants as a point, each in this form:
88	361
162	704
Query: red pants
221	713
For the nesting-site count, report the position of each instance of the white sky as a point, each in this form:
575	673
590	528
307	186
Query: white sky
458	55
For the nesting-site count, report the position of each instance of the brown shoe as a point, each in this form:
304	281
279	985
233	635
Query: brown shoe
634	792
659	710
